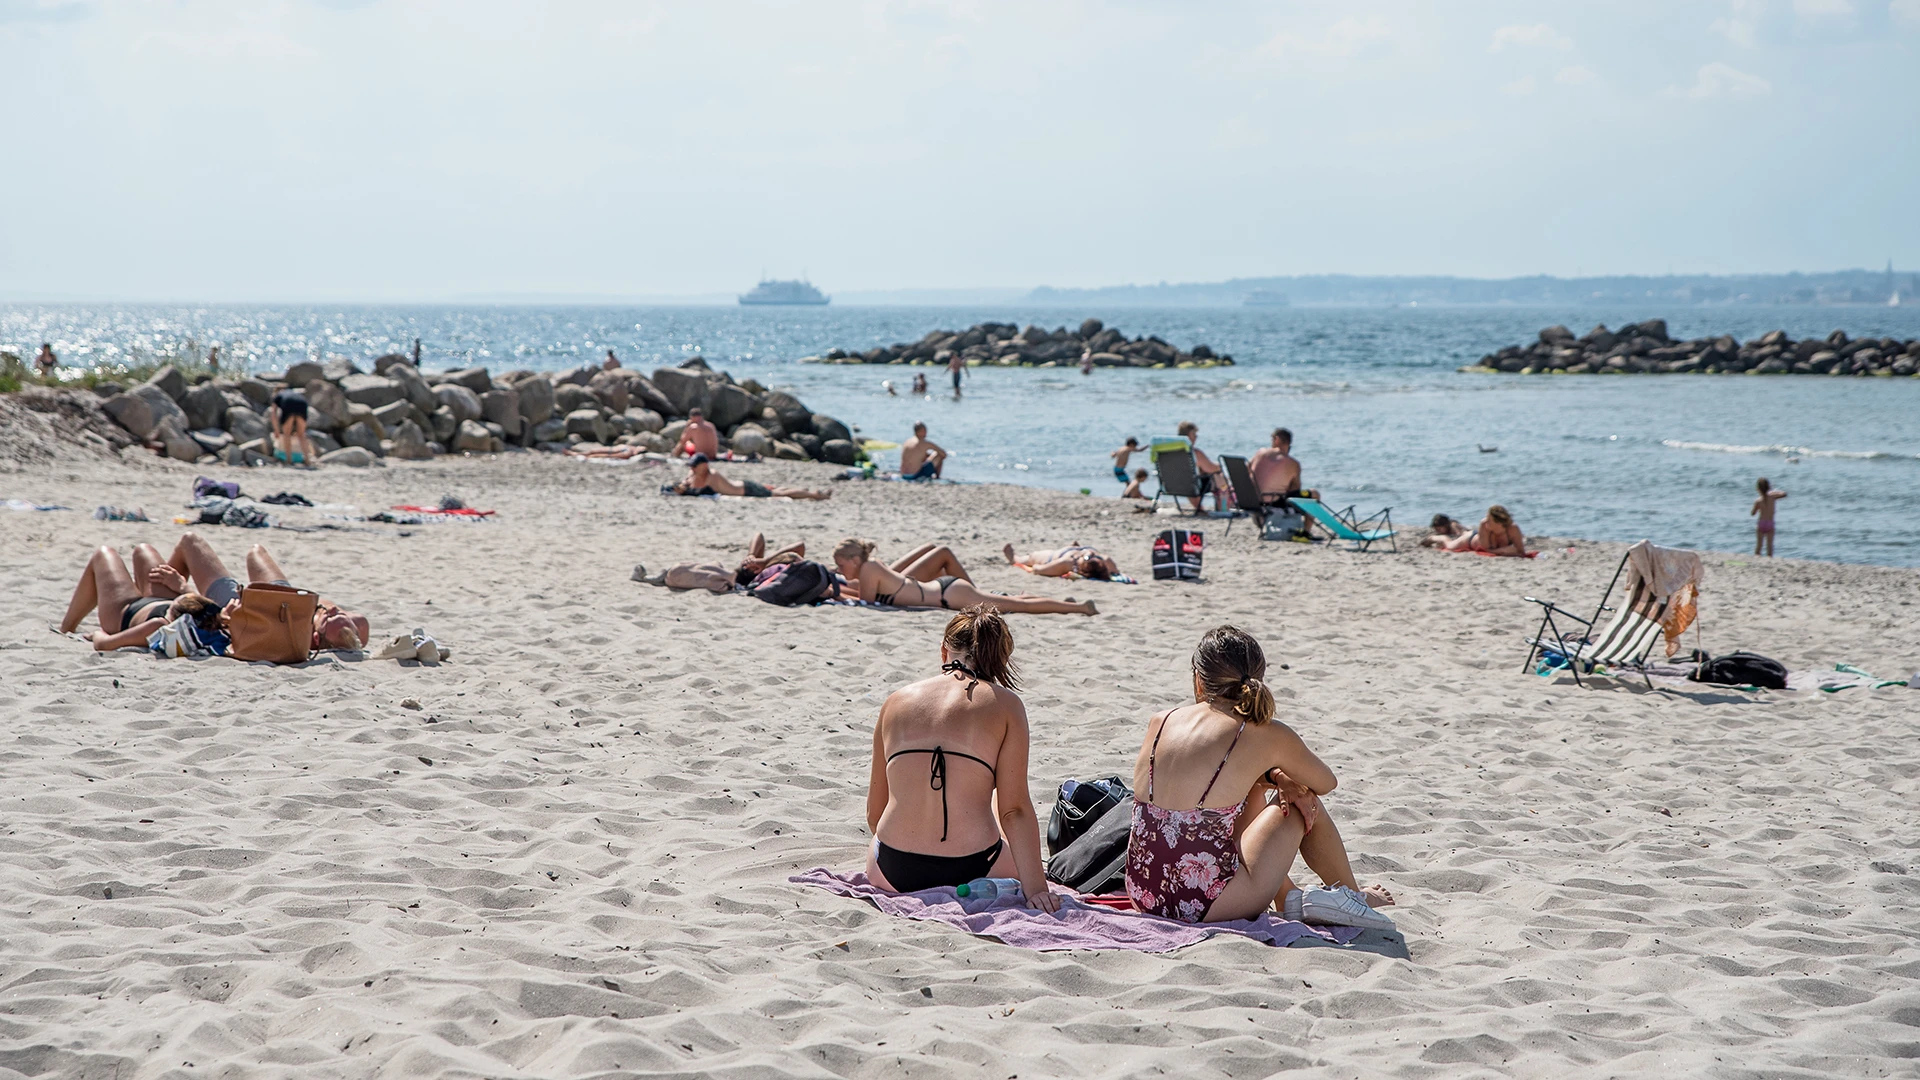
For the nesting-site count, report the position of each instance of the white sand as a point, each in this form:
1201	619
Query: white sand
572	860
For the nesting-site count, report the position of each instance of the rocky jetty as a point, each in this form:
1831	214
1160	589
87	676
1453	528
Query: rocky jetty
1006	345
358	417
1645	348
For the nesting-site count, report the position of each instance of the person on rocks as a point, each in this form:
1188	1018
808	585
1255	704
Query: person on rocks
947	800
920	457
1275	471
702	480
1211	479
881	584
45	362
136	603
700	436
287	419
194	561
1196	861
612	362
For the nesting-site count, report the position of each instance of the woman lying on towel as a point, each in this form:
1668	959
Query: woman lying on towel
1077	559
133	604
1495	535
881	584
943	749
702	480
1196	861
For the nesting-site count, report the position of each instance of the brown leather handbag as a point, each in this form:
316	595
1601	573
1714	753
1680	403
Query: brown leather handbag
273	623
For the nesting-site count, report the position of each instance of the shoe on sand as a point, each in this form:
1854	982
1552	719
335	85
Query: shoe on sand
1341	906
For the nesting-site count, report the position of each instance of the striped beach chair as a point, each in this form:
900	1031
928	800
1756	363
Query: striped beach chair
1624	642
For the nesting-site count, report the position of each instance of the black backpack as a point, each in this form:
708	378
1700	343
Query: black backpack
1096	862
1080	804
794	584
1743	669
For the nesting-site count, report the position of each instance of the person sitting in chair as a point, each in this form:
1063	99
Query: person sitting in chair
1276	472
1208	470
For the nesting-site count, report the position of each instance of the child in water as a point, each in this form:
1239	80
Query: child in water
1763	508
1133	486
1120	457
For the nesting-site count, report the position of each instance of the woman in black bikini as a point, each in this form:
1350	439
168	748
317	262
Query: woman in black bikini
129	612
943	748
883	585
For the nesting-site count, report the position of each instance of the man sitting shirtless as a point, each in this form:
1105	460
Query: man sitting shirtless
920	457
1276	472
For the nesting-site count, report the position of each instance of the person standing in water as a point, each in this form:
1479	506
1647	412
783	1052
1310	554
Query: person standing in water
957	367
1763	509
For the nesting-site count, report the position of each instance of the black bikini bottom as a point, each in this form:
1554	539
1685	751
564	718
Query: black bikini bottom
910	871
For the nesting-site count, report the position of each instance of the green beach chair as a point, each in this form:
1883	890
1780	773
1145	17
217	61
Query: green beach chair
1345	526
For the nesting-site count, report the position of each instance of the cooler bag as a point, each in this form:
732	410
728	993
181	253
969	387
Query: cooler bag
1176	555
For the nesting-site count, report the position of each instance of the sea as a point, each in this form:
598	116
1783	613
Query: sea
1380	416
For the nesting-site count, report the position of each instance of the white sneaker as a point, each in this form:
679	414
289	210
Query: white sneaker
1341	906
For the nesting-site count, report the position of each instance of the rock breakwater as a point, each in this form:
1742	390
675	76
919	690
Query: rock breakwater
1644	348
1007	345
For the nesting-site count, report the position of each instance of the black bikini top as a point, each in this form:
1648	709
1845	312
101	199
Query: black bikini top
937	769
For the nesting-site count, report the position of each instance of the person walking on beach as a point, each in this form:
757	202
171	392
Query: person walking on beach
45	362
957	367
920	457
1120	457
1763	509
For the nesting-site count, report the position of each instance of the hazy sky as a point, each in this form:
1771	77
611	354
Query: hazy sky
421	149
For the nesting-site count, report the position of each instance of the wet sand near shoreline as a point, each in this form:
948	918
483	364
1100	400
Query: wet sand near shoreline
571	858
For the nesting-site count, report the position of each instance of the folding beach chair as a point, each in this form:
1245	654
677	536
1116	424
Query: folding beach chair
1344	525
1247	497
1179	480
1625	642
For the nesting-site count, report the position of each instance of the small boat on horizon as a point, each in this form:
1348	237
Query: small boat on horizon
771	293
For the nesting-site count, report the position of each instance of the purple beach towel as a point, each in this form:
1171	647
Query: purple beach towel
1077	925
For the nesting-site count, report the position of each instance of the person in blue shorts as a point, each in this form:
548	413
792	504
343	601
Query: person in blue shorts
1120	457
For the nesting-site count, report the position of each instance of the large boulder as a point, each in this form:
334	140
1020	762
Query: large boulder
502	407
750	439
323	443
830	429
572	397
130	412
363	436
684	390
548	431
579	376
645	419
459	398
587	424
386	361
472	438
642	392
357	457
475	379
409	443
1090	327
211	440
339	368
258	393
324	397
304	372
838	452
391	415
413	386
160	407
372	390
174	440
795	418
170	381
674	432
536	398
1556	335
812	444
444	424
789	451
361	414
728	405
246	425
610	387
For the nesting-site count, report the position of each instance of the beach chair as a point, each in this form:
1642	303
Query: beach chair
1179	480
1248	498
1624	643
1344	525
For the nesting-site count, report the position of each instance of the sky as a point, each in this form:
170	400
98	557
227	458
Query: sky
391	150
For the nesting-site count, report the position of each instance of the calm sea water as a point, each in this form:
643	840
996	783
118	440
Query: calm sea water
1379	415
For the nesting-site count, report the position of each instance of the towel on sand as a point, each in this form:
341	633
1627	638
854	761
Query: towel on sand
1079	924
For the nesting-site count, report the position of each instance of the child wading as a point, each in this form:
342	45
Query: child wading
1763	508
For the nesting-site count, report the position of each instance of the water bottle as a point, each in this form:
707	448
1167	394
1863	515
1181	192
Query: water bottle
982	893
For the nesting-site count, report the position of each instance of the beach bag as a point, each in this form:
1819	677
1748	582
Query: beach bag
206	485
1176	555
1282	524
1080	804
1743	669
183	639
794	584
1097	861
274	623
709	576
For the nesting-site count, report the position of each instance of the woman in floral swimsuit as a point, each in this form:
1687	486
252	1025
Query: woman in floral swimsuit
1196	862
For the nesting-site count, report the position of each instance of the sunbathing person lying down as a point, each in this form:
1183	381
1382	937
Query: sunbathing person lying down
882	584
194	559
1496	535
1081	559
702	480
948	752
134	604
1200	861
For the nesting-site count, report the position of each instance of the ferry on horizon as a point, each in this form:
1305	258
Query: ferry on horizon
769	293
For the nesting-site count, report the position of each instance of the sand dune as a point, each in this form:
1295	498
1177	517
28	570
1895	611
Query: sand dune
571	859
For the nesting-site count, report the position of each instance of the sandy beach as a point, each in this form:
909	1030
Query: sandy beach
571	858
